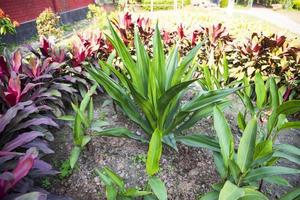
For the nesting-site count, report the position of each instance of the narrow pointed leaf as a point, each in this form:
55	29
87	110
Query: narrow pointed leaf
247	146
154	153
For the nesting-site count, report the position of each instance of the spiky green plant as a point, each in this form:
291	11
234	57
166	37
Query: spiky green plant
149	89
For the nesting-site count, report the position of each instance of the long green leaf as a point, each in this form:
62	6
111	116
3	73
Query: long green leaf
171	93
210	196
74	156
247	146
263	149
142	62
86	99
200	141
292	195
158	188
184	64
133	192
208	98
81	115
260	90
159	59
219	163
288	125
114	177
196	116
251	194
120	132
154	153
263	172
274	93
224	135
125	57
289	107
291	149
231	192
277	180
119	95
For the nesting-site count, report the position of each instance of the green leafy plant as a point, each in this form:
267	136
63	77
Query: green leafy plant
115	187
7	25
98	14
215	76
47	24
243	168
155	87
223	3
83	124
65	169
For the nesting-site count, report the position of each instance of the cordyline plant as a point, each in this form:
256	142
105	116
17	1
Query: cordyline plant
47	49
155	87
33	79
271	55
126	29
22	127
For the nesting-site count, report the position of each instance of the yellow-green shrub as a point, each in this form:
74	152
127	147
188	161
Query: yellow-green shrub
223	3
296	4
47	24
99	15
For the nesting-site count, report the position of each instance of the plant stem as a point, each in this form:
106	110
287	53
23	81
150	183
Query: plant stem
261	184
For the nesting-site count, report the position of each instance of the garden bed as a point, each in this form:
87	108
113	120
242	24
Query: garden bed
187	174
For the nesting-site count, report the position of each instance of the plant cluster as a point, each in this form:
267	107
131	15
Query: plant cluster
148	73
34	90
99	15
244	169
7	25
271	55
154	86
47	24
115	187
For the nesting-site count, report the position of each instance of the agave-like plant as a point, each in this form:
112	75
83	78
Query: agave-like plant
155	87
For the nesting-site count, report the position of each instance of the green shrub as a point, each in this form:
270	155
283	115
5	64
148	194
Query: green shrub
223	3
48	24
99	15
7	26
296	4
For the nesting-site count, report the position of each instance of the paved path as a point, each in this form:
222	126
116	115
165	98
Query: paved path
272	17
